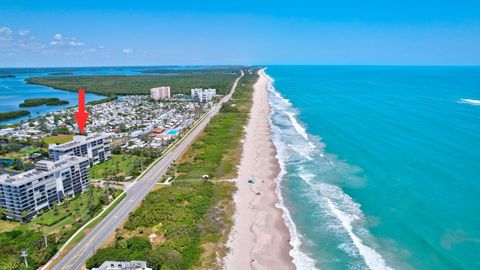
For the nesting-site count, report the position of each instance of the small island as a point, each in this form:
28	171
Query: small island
33	102
7	76
4	116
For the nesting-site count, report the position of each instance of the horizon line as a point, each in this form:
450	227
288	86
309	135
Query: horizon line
247	65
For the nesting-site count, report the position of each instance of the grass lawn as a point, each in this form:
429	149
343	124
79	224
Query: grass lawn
69	212
59	139
6	226
13	155
58	223
122	164
60	215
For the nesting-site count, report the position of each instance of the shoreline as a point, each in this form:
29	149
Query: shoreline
259	238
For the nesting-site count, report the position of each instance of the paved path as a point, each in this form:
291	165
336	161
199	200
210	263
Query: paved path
75	259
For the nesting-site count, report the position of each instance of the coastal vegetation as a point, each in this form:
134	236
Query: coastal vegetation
18	155
118	167
186	224
103	100
4	116
33	102
217	69
217	152
43	236
109	85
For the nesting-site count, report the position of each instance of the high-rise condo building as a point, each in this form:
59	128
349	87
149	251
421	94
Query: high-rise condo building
203	95
95	147
27	194
162	92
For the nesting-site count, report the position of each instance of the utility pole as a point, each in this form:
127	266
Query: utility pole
24	254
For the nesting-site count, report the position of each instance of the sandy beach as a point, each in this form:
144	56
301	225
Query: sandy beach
259	238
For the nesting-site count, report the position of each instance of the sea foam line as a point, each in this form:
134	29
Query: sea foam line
329	195
474	102
301	260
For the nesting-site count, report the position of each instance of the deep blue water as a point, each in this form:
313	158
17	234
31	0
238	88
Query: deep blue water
381	165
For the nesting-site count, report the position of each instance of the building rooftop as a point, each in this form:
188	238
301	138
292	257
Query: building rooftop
77	140
43	168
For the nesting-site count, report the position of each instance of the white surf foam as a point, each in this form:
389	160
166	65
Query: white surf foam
474	102
338	204
301	130
271	89
373	260
302	153
301	260
335	200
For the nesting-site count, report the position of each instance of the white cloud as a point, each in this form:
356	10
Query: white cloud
23	32
101	47
5	31
60	40
127	51
56	43
76	43
22	42
5	34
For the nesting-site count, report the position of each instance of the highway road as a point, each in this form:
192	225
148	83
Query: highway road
75	259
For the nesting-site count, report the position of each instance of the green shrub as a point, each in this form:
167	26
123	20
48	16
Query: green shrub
138	243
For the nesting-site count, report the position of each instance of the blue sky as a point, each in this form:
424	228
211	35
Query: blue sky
83	33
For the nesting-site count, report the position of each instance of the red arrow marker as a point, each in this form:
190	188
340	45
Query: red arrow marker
81	115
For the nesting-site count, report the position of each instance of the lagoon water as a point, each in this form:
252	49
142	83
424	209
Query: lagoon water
14	90
381	165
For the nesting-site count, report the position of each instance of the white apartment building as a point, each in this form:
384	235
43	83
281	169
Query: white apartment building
162	92
27	194
95	147
203	95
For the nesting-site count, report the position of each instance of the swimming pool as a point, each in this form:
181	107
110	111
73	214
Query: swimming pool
172	132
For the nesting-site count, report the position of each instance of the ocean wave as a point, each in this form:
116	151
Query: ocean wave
345	214
474	102
300	152
271	89
300	259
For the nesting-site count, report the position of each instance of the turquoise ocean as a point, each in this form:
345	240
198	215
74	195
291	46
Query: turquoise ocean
380	165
